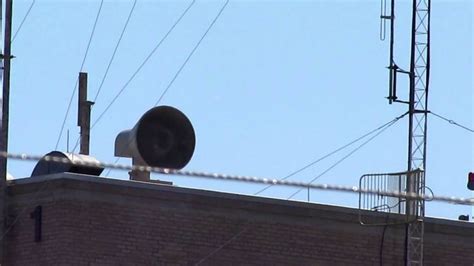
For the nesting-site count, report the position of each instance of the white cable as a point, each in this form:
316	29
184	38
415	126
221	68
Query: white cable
250	179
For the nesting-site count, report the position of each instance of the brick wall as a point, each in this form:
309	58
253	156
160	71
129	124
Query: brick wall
97	221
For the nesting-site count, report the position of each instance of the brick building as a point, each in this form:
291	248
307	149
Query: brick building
88	220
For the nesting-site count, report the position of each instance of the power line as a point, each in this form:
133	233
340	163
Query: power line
146	59
192	52
296	172
136	72
217	176
23	20
82	66
184	64
166	90
330	154
23	210
115	50
110	169
110	61
452	122
142	64
249	179
351	153
234	237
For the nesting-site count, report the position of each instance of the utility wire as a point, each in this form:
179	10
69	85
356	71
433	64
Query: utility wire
329	154
192	52
110	169
382	127
137	71
183	65
142	65
78	161
115	50
23	20
23	210
234	237
215	176
76	80
110	62
62	127
146	59
350	153
452	122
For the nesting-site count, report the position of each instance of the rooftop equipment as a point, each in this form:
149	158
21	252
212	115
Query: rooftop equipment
163	137
59	162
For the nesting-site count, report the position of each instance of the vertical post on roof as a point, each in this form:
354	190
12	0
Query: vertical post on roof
4	126
84	115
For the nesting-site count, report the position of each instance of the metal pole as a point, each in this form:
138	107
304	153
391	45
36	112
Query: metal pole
411	108
84	114
419	87
392	69
409	208
4	130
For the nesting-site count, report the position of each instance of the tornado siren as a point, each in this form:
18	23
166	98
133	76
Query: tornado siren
163	137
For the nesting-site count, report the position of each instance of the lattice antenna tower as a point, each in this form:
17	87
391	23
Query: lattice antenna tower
418	74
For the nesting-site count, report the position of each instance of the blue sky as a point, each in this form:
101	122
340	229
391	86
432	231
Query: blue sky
273	86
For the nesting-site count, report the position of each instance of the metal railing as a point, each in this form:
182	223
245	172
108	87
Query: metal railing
389	204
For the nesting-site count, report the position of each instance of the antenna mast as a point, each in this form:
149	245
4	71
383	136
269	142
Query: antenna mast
4	127
419	74
418	123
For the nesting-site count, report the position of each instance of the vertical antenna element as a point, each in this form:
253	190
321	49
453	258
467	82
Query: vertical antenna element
392	96
383	17
392	67
84	115
419	74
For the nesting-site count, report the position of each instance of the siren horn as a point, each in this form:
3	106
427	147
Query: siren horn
163	137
